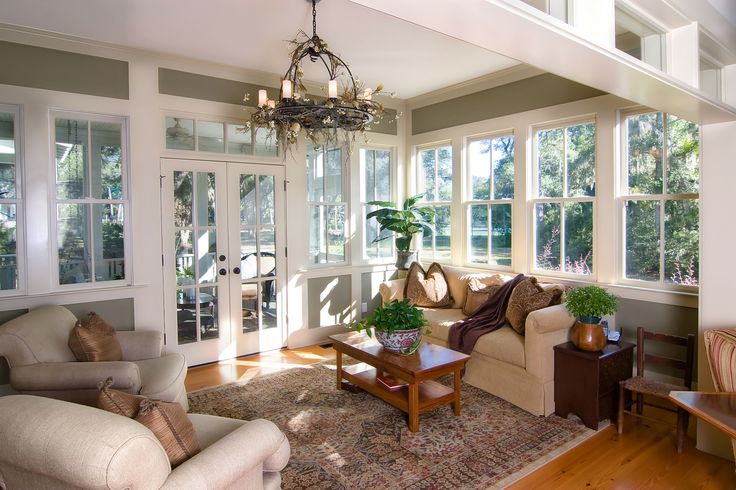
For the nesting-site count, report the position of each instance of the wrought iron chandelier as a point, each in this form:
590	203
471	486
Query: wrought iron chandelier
327	120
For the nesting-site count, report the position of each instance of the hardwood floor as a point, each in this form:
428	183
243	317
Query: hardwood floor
643	456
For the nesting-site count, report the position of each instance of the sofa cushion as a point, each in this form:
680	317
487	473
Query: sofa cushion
116	401
440	320
93	339
504	345
477	293
458	277
427	289
526	297
171	426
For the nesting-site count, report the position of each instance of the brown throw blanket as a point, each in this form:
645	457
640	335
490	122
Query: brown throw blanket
490	316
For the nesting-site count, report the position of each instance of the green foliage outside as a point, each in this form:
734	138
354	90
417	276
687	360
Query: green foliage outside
396	315
590	303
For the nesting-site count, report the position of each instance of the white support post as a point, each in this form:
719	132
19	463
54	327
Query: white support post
728	87
683	54
595	19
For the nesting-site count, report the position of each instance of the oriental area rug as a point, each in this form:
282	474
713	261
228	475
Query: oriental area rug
349	439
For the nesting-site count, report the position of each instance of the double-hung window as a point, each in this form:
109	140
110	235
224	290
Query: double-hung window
91	198
375	165
434	180
327	205
564	196
490	193
10	205
660	183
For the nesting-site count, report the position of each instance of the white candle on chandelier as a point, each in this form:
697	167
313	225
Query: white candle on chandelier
332	89
286	89
271	103
262	98
368	94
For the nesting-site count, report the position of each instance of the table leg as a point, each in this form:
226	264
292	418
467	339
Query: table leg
456	387
414	407
338	370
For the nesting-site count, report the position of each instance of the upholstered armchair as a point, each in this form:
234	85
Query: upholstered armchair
41	363
47	443
720	347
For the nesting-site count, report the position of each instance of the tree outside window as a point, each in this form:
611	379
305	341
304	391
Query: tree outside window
434	179
327	205
9	200
375	165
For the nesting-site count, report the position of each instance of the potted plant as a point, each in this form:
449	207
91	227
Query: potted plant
398	325
589	304
404	224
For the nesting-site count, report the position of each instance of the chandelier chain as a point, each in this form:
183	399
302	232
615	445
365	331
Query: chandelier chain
314	18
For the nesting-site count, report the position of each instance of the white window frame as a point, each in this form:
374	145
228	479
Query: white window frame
468	201
89	201
662	198
363	204
535	199
432	256
345	203
18	200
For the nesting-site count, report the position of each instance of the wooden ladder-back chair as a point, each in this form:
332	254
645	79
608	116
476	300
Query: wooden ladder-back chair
647	386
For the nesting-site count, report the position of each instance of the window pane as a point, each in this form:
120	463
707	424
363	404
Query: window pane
184	252
8	247
501	234
7	155
368	159
179	134
444	173
710	78
333	175
266	145
427	174
317	246
210	137
71	159
335	234
109	221
248	258
683	169
186	315
383	175
182	199
266	191
479	158
205	192
581	160
547	216
642	240
681	257
209	327
107	160
503	167
249	294
442	239
645	139
479	233
315	173
206	249
239	140
247	199
550	153
73	243
579	237
267	255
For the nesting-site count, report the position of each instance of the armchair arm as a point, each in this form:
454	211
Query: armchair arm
545	328
141	344
61	376
391	290
251	449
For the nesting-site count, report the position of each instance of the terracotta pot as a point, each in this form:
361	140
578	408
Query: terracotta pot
588	336
400	342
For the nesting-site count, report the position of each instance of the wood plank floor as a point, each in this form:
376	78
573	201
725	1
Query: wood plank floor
644	456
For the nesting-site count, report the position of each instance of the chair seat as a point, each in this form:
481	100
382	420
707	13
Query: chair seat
649	386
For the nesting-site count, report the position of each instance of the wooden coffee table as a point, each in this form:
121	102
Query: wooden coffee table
418	370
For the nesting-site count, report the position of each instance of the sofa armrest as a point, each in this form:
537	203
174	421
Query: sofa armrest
61	376
545	328
141	344
391	290
258	445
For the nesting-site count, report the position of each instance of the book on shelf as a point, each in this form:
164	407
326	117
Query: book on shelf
390	382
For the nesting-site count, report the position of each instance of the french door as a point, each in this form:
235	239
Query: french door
224	262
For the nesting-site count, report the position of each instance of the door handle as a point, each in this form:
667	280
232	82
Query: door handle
223	271
236	270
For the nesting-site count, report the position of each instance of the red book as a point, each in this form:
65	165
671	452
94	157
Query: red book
390	382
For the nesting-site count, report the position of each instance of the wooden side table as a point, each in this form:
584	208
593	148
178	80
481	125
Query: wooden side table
586	383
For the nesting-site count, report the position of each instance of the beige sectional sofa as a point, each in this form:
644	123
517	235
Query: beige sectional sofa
519	369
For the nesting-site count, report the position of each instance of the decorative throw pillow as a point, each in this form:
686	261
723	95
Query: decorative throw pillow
477	293
172	428
116	401
526	297
93	339
428	289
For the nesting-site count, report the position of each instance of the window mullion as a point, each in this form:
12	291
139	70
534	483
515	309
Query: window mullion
661	239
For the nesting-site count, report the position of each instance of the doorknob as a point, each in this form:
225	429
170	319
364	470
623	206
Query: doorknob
236	270
223	271
222	258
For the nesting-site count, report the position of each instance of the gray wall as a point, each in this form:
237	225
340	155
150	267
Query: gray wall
328	302
369	282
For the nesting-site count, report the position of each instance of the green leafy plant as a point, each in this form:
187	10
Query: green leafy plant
590	303
403	223
396	315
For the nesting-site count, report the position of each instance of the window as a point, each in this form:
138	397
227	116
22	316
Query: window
639	38
10	204
218	137
375	165
434	179
327	205
710	76
564	175
661	179
91	198
490	194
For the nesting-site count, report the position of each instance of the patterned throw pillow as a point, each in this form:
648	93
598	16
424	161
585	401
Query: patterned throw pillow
116	401
526	297
171	426
476	294
427	289
93	339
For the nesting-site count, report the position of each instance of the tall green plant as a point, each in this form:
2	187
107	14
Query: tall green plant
403	223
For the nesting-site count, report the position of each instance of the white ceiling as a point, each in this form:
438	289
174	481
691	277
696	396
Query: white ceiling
407	59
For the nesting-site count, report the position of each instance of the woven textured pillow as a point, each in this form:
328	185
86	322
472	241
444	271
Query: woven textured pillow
171	426
526	297
427	289
116	401
93	339
477	293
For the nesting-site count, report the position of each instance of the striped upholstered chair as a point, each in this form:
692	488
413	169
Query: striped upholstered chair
720	347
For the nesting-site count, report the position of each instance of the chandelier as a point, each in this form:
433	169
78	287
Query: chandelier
326	120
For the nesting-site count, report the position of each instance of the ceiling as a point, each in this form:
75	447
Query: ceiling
407	59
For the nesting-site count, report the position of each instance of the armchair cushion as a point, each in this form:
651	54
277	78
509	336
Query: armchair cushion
53	376
141	344
93	339
170	425
116	401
